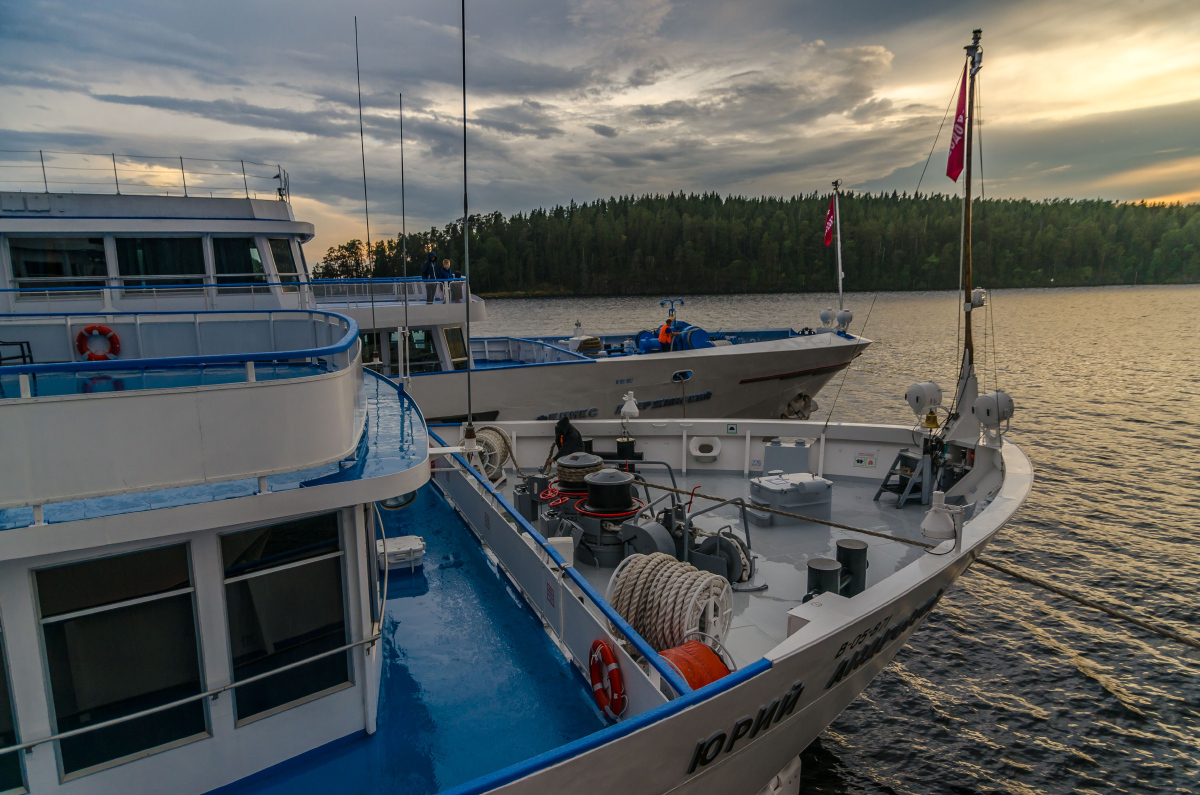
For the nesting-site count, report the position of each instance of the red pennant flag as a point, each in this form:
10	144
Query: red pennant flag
954	165
829	219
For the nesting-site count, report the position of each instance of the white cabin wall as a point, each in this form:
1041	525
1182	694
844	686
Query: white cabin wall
26	670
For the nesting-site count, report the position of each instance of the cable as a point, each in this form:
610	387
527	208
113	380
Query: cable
945	116
1149	626
846	372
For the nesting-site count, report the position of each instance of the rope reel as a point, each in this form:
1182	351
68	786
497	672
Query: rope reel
665	599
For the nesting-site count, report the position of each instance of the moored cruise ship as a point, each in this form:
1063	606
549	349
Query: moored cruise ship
90	252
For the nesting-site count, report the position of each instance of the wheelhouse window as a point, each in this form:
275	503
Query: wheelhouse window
284	596
456	346
160	261
11	778
285	263
120	638
236	260
422	352
43	262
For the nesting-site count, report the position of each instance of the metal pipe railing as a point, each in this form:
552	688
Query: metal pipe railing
213	693
338	351
664	669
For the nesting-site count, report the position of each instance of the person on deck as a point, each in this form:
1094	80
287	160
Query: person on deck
453	291
665	336
429	273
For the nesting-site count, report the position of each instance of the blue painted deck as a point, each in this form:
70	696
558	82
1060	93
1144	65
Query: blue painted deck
82	383
471	683
395	439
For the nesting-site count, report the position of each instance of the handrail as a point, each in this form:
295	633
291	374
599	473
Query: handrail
539	343
208	285
656	661
341	346
216	691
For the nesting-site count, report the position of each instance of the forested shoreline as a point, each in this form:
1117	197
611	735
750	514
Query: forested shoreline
703	243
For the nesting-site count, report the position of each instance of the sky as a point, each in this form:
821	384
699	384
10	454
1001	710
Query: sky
585	99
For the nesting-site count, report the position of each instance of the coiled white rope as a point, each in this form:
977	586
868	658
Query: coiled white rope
664	599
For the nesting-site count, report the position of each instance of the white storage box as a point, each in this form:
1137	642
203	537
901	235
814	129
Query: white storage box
405	553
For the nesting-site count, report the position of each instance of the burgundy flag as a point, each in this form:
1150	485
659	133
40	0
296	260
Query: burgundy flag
954	165
829	219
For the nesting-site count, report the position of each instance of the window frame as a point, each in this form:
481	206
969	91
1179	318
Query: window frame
52	712
6	671
289	282
457	362
257	283
178	284
96	283
224	582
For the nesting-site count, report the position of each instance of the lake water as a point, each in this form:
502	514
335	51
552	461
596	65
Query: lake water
1008	688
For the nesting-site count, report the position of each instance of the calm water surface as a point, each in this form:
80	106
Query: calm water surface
1007	688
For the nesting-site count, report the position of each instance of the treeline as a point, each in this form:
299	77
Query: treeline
689	243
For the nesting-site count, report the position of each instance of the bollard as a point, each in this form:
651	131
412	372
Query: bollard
852	554
824	575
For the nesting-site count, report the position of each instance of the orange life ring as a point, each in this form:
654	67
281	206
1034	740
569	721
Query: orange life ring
114	343
607	686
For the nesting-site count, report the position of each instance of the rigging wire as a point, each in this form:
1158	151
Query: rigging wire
846	372
933	146
1150	626
366	207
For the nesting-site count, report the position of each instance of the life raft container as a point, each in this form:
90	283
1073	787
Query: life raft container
82	338
607	685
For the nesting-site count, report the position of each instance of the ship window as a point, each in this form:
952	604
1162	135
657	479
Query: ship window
370	346
40	262
120	635
285	264
393	367
236	261
456	346
422	353
10	764
160	261
284	596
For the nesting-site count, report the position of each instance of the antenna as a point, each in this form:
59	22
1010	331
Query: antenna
469	435
366	208
403	241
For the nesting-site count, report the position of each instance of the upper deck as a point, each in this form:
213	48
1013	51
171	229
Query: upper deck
201	406
104	252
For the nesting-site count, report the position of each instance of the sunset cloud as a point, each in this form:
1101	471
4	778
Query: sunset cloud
590	98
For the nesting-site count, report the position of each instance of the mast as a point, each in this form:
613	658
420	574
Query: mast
974	63
837	220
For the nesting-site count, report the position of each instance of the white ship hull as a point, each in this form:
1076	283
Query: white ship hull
751	380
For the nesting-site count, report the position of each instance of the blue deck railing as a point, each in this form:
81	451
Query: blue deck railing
319	358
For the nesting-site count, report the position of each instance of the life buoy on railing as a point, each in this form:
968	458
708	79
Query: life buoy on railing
104	332
607	685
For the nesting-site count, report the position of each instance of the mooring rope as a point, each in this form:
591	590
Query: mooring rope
1157	629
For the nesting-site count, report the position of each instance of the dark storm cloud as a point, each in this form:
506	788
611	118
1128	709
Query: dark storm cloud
604	130
527	118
